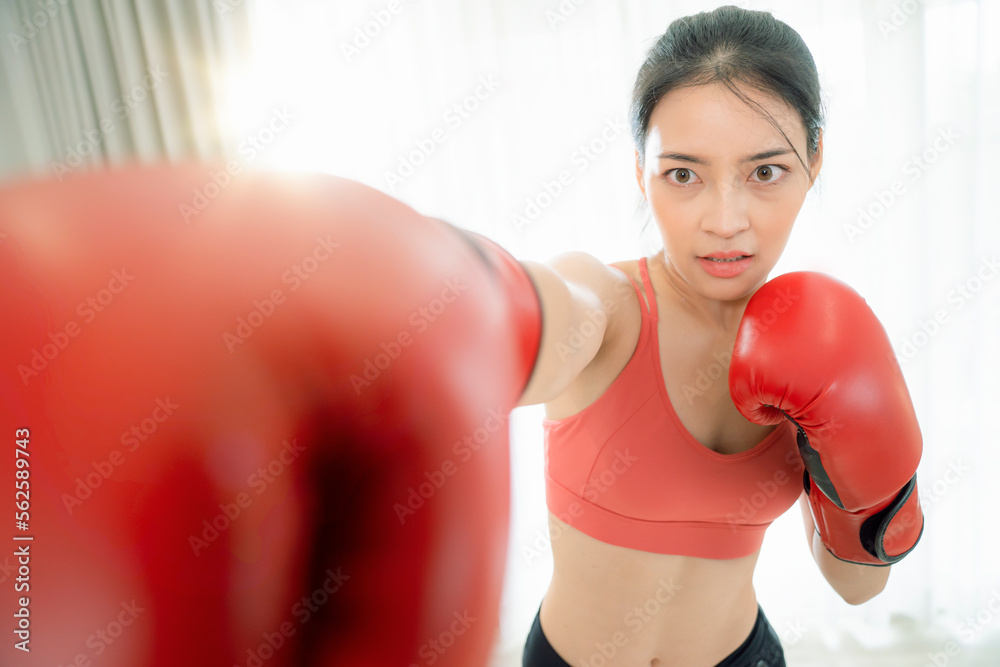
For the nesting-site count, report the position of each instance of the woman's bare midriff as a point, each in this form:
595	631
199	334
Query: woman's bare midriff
615	607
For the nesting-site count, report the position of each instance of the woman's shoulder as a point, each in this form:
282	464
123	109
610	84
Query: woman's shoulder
620	305
631	269
589	272
612	284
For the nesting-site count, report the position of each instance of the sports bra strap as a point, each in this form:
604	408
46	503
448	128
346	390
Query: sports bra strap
638	292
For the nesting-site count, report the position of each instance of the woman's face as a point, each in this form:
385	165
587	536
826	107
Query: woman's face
723	184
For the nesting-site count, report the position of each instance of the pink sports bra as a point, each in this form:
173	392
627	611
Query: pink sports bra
626	471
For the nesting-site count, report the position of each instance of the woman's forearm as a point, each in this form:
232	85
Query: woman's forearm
853	582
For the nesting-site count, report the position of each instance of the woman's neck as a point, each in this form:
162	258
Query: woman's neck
722	316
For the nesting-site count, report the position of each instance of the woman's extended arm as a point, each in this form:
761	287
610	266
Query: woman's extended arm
579	296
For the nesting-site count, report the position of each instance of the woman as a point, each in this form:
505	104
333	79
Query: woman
654	560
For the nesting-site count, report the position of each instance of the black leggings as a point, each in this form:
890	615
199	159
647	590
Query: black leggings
762	648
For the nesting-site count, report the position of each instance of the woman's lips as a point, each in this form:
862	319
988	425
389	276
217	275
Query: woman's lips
725	265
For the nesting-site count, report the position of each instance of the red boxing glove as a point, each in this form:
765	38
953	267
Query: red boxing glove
810	349
255	419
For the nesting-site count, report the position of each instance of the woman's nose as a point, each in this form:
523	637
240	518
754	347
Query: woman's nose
725	213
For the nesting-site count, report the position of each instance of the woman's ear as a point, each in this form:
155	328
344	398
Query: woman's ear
816	163
638	175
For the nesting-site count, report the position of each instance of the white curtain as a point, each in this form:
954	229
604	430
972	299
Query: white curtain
86	82
475	111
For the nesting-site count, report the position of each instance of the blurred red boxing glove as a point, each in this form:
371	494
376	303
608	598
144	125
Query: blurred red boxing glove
810	349
257	419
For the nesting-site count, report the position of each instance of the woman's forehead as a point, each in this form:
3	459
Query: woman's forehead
712	116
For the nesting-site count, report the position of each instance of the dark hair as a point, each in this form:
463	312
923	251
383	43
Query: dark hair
731	46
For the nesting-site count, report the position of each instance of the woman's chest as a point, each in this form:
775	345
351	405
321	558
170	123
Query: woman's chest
694	368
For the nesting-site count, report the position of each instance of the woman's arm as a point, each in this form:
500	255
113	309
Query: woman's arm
853	582
579	296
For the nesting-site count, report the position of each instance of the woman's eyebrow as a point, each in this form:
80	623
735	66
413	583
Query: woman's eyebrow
764	155
682	157
767	155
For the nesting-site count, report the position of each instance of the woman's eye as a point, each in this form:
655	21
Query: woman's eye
681	176
769	173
